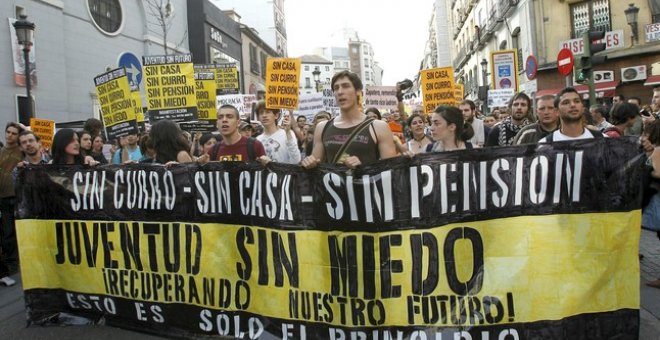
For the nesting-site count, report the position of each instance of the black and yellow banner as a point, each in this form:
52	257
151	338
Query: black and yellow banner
117	110
226	77
170	88
515	242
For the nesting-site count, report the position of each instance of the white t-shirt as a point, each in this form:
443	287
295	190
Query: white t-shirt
279	148
557	136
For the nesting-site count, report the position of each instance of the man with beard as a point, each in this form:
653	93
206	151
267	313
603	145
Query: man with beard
548	121
504	133
571	117
31	146
468	108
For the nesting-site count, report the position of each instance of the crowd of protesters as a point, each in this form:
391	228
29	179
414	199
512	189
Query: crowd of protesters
355	137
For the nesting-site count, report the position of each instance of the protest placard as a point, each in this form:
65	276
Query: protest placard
329	100
458	93
437	87
136	101
207	111
170	88
282	80
117	111
381	97
309	104
45	129
499	97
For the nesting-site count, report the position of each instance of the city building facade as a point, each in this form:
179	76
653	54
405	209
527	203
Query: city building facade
311	66
265	16
255	55
74	42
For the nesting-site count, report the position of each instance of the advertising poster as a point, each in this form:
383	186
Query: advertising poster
504	69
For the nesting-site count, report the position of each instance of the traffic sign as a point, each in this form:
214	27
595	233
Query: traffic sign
565	62
133	68
531	67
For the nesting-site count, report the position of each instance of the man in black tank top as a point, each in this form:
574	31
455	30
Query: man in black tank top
345	139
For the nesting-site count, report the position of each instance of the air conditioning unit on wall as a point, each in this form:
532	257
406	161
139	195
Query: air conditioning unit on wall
633	73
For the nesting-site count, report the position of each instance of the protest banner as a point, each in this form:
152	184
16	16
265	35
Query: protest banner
525	241
170	88
117	111
329	100
226	77
309	105
500	97
249	100
242	102
437	87
282	80
381	97
207	111
136	101
458	93
45	129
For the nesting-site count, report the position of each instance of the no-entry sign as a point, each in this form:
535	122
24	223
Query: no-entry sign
565	61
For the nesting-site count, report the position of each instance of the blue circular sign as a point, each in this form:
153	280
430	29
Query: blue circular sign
531	67
133	67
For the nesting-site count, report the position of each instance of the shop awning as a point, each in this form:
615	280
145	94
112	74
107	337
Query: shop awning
605	89
652	81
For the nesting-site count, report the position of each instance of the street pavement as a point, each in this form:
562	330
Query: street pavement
13	321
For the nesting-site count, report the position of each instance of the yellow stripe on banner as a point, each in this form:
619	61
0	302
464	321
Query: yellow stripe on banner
534	268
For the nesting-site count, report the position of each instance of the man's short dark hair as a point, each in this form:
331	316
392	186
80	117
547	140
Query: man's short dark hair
545	97
470	103
637	99
15	125
301	116
620	96
564	91
29	132
352	77
521	95
623	112
229	106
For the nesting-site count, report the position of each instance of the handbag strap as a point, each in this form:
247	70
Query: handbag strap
351	137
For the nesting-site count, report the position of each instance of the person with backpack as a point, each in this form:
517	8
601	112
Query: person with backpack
571	116
234	146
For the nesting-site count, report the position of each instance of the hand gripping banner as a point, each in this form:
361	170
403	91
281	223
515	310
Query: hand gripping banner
521	242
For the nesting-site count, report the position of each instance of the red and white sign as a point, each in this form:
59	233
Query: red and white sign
612	40
565	62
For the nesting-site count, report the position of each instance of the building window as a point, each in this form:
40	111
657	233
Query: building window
338	64
264	60
254	61
366	62
308	82
366	76
327	68
515	42
594	14
106	15
306	67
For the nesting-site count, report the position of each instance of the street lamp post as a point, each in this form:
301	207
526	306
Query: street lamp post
483	91
317	78
631	18
25	36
